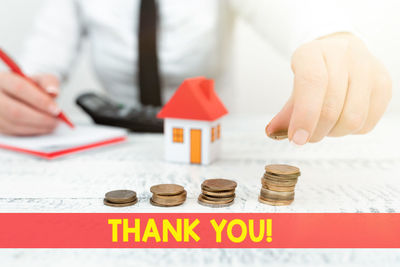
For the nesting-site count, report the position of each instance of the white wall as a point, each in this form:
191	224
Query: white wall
259	80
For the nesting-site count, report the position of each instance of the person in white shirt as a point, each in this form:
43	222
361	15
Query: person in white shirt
340	88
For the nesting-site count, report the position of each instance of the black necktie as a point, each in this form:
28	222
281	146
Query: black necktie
149	80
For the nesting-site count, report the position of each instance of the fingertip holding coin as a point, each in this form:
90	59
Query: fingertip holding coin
276	134
280	135
266	129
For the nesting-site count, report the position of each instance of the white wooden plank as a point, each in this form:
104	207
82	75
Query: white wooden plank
353	174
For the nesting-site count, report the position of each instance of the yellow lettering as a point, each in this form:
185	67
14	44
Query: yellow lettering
114	223
269	230
260	233
151	231
242	235
188	230
176	233
218	229
131	230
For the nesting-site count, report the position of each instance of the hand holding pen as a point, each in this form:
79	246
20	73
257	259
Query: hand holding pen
27	105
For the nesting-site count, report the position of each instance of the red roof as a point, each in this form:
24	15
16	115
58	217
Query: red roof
195	99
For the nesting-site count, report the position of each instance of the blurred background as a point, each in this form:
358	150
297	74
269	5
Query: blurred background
254	67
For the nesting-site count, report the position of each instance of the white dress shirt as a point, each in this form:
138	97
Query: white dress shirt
194	36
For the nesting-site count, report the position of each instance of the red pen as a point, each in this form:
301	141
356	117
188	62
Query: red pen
17	70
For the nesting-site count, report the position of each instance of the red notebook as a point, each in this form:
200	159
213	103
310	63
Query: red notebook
64	140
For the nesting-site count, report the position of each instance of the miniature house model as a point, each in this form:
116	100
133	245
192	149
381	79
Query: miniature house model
192	126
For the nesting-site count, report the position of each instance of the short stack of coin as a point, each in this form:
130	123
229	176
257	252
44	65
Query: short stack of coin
167	195
278	184
217	193
120	198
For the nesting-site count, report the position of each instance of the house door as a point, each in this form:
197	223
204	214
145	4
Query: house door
195	146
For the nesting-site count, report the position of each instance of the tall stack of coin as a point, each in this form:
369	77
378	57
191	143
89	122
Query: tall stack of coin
167	195
278	184
217	193
120	198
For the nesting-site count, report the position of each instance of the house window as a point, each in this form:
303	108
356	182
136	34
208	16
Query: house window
219	131
177	135
212	134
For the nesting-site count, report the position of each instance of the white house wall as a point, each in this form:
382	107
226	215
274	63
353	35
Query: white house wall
180	152
215	146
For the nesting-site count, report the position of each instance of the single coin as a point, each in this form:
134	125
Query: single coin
121	196
280	135
218	199
169	200
269	194
161	205
282	169
180	196
219	194
217	185
215	201
167	189
214	205
279	188
274	202
267	181
111	204
281	177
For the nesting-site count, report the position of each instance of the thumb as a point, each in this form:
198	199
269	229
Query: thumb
281	120
49	83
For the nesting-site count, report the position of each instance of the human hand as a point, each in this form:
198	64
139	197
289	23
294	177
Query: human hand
340	88
24	108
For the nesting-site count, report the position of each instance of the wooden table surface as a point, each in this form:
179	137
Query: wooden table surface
351	174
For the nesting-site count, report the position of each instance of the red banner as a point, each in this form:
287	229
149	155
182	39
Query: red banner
199	230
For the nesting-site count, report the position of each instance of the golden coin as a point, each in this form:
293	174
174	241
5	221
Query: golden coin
111	204
281	177
267	181
280	135
214	201
215	205
180	196
121	196
169	200
275	202
162	205
206	203
282	169
279	188
167	189
217	185
218	199
219	194
269	194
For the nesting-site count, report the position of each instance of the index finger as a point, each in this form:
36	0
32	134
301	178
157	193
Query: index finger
310	86
28	93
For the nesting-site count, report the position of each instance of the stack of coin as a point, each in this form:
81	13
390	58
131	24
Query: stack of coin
167	195
278	184
217	193
120	198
